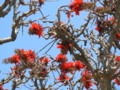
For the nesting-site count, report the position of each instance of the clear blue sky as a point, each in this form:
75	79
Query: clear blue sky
32	42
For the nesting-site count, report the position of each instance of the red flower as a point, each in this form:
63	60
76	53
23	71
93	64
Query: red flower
99	27
117	81
117	36
67	67
44	61
14	59
79	65
26	56
61	46
36	29
76	6
41	2
110	20
86	78
1	88
87	84
61	58
22	57
117	58
64	45
63	78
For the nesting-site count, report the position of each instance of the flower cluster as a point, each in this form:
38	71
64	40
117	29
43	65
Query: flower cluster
22	56
64	46
65	66
63	79
28	60
44	61
86	79
102	26
61	58
71	66
36	29
76	6
117	81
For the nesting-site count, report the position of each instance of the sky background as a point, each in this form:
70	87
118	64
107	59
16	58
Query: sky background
32	42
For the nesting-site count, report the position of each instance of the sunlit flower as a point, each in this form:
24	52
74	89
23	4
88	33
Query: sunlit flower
86	79
36	29
63	78
76	6
68	67
117	58
14	59
26	56
64	46
61	58
44	61
22	57
79	65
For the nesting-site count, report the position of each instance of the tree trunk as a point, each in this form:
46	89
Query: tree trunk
105	84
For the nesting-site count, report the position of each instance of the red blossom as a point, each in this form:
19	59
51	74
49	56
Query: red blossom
41	2
117	36
1	88
44	61
67	67
64	46
68	15
26	56
22	57
63	78
36	29
99	27
79	65
76	6
61	58
117	58
14	59
86	79
61	46
111	19
117	81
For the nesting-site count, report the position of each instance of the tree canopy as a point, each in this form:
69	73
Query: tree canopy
87	57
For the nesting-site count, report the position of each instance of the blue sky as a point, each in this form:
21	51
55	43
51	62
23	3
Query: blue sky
26	41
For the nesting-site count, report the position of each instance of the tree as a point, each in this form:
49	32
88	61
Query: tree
94	50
